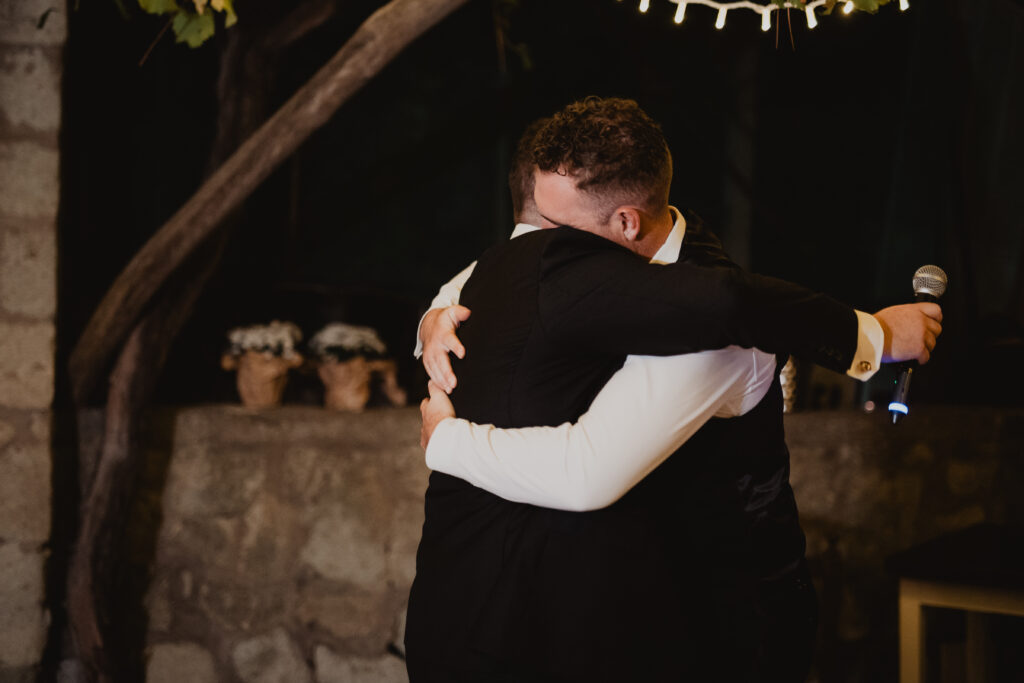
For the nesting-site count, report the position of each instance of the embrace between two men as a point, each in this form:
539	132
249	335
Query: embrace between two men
612	502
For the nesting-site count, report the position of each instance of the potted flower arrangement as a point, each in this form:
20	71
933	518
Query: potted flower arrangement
348	357
262	356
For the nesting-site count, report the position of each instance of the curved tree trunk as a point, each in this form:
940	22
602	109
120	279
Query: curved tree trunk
100	622
93	598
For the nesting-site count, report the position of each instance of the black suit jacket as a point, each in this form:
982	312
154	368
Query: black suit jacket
554	314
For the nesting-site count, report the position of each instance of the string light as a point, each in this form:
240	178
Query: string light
812	20
762	7
680	12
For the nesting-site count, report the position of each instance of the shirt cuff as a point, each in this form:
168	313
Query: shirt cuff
442	444
870	340
418	350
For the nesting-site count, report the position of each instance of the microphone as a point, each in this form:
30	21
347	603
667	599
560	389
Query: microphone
929	284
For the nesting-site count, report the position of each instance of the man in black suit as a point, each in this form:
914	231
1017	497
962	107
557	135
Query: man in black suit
515	592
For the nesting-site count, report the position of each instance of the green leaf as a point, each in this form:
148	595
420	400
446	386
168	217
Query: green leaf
193	29
869	5
159	6
229	10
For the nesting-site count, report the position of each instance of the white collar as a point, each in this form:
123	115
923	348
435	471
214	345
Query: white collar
523	228
669	251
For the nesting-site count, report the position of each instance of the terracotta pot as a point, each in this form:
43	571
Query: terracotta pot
261	376
347	383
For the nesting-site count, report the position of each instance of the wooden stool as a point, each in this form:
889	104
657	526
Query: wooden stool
979	569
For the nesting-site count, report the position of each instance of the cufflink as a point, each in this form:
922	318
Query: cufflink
864	366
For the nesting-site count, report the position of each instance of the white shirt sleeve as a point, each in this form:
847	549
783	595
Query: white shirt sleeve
447	296
642	415
870	339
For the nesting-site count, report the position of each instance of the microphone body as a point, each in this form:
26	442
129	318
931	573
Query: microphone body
929	284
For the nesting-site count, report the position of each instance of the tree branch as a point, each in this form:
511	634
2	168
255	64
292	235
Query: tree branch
374	44
305	18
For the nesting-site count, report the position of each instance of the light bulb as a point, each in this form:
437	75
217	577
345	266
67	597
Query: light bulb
904	5
766	20
645	5
847	8
720	21
680	12
812	20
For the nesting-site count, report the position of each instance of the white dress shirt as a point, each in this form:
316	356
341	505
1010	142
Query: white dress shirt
644	413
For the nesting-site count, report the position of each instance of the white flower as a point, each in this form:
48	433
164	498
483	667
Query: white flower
278	338
350	338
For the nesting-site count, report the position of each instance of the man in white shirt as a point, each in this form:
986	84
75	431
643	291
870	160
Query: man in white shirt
648	408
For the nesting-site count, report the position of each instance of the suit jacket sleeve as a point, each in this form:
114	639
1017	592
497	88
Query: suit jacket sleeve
595	295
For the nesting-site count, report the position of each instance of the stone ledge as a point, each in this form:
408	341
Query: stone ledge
311	424
29	184
28	273
30	78
23	621
19	21
25	492
26	364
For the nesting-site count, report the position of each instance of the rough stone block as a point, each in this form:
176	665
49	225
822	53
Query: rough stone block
25	492
158	606
39	425
23	620
272	658
179	662
333	668
19	22
361	618
7	432
965	477
221	484
399	638
26	364
19	674
28	272
30	83
343	548
71	671
29	182
406	523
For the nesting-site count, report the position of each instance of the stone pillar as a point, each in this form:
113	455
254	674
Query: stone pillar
30	113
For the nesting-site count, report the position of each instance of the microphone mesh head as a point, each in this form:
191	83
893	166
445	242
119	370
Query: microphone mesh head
930	280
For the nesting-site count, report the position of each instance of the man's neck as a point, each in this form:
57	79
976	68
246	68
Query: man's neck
654	232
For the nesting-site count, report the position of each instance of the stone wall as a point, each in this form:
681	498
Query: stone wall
868	489
286	549
287	546
30	112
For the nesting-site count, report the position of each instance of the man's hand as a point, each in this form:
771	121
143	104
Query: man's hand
437	333
433	410
910	331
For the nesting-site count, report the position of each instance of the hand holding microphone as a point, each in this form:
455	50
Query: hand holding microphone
911	331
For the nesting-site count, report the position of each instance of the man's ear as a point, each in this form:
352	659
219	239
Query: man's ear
626	220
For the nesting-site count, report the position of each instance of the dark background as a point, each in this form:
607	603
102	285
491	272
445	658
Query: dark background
876	145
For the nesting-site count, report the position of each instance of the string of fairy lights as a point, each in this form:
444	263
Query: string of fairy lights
765	10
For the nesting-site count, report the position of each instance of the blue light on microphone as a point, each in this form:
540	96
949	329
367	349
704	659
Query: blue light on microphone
895	407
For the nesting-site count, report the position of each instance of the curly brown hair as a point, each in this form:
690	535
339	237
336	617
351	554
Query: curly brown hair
611	147
520	175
